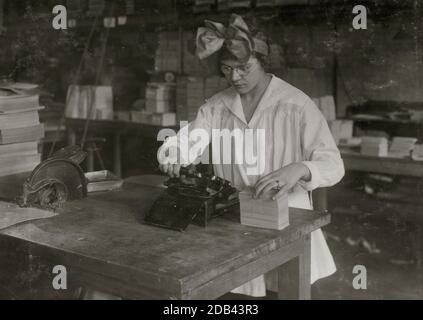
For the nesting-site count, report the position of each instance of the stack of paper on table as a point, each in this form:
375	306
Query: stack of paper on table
264	212
401	147
18	149
16	135
20	129
374	146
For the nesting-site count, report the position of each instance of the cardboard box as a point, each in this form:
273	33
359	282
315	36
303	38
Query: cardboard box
164	119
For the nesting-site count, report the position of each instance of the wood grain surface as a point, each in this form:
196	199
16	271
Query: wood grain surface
103	242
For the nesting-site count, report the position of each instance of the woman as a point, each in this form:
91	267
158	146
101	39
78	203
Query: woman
300	153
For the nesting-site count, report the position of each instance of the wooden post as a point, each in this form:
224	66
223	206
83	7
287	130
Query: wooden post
320	202
305	270
1	15
294	276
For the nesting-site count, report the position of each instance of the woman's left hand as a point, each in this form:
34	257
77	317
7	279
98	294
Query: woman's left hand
283	179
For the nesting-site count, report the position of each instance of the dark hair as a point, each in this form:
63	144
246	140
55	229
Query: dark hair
257	30
225	54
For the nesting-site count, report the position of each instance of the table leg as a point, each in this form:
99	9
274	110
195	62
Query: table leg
117	162
320	202
294	275
90	160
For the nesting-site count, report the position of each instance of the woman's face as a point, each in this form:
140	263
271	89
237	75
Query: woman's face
242	76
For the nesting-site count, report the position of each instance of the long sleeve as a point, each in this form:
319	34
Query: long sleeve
189	144
320	152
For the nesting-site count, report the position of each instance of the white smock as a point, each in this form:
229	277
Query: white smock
295	131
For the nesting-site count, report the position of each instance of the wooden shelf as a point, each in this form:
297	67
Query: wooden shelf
354	161
387	120
116	127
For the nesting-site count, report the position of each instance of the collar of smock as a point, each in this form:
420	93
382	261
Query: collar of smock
232	101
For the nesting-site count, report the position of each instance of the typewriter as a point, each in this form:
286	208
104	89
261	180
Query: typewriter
194	198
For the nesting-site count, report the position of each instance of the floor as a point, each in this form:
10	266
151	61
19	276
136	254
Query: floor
382	234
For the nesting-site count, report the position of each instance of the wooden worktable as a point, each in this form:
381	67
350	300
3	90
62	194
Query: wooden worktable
105	246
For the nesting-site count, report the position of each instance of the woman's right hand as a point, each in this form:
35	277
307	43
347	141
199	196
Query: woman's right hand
172	170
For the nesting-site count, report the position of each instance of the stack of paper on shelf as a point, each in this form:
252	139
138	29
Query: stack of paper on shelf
192	92
401	147
167	54
141	116
160	97
326	105
191	64
164	119
94	102
264	212
160	105
20	129
374	146
275	57
189	97
417	153
416	115
341	129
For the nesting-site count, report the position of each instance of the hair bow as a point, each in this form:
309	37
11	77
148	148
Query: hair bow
236	38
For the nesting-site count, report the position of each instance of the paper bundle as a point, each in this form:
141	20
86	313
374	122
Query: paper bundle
374	146
417	153
401	147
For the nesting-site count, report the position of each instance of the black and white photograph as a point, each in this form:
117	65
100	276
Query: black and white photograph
230	151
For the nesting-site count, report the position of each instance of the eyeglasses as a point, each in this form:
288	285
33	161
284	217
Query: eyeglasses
242	70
